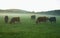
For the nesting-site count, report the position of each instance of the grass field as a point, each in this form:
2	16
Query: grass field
28	28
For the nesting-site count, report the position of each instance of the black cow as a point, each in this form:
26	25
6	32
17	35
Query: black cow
52	19
6	19
33	17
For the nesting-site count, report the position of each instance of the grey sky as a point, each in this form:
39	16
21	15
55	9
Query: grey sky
30	5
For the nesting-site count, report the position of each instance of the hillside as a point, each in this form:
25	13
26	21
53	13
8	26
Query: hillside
14	11
53	12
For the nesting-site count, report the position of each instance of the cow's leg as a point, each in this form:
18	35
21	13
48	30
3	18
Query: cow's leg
6	21
54	21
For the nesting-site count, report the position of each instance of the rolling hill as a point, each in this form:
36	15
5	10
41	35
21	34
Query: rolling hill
53	12
14	11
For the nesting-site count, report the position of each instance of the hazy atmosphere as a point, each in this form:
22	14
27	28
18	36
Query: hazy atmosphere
29	18
30	5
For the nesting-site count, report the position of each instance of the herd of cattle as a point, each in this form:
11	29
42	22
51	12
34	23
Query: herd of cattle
38	20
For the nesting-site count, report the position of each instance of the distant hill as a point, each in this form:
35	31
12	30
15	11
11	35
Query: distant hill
14	11
53	12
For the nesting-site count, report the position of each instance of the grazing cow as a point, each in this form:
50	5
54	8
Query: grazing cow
52	19
6	19
33	17
15	20
41	19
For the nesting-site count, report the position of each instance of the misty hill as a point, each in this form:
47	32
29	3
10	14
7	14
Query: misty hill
14	11
53	12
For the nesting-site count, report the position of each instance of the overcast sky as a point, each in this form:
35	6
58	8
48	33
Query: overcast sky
30	5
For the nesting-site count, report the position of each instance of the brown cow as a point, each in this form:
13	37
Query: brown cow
6	19
14	20
41	19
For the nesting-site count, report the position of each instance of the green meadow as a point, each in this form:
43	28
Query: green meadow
27	28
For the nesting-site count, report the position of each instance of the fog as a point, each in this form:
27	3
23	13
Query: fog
19	14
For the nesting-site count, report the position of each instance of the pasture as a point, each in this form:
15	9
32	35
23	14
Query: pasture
28	28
